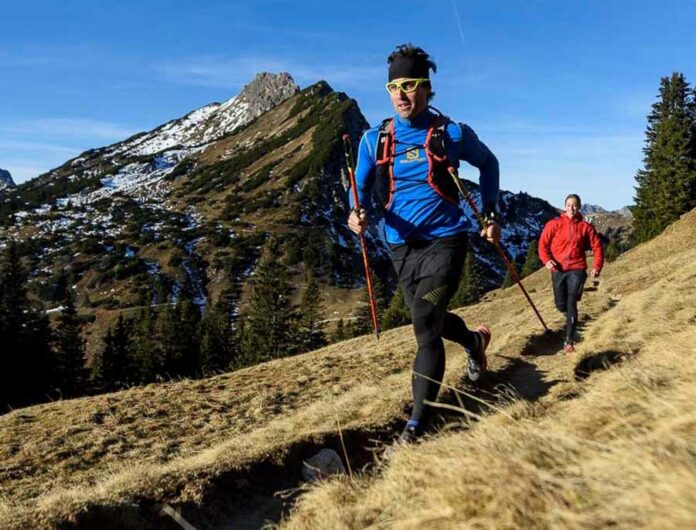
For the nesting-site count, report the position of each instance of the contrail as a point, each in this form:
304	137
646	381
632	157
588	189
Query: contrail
459	24
461	36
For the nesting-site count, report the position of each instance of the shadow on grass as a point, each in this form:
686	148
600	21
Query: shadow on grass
548	343
551	342
525	378
519	379
599	361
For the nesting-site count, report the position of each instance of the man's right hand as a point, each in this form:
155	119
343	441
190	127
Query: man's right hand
357	221
551	265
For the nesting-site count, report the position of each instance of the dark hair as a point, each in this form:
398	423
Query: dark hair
573	196
409	50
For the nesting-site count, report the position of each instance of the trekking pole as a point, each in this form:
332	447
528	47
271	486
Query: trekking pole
351	175
501	252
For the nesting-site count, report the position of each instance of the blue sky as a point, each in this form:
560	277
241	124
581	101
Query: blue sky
558	90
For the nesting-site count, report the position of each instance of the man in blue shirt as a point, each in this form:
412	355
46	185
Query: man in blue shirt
407	161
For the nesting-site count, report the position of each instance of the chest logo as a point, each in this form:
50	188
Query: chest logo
413	154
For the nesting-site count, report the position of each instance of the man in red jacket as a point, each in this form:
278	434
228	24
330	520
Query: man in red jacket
562	247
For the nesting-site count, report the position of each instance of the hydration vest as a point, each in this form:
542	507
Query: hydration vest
438	178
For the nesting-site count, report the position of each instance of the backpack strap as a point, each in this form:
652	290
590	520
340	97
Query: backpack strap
385	142
435	140
439	177
384	154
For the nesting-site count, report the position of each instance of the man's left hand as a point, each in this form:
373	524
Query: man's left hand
594	273
491	232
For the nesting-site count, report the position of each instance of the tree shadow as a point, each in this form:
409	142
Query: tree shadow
599	361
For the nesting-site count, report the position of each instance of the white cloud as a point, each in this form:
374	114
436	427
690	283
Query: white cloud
226	72
72	128
7	147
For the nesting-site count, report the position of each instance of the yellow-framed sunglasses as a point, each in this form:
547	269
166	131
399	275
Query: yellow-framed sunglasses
405	85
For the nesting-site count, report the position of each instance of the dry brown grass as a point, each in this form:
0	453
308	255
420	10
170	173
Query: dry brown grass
613	449
622	453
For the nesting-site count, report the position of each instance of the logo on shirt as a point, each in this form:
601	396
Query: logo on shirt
412	155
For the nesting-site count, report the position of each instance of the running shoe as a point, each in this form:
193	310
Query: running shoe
477	363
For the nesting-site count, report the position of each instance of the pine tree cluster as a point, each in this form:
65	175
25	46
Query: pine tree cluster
175	342
38	362
170	340
272	326
666	185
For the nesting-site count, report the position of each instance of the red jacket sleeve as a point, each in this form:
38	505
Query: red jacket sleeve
545	243
597	250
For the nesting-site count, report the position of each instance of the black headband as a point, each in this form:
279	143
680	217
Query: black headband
408	67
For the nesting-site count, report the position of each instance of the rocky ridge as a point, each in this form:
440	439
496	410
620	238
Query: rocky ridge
6	180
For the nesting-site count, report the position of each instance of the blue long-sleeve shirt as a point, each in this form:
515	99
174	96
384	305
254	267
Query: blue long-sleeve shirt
416	210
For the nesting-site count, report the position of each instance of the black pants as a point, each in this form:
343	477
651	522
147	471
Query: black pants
428	273
567	292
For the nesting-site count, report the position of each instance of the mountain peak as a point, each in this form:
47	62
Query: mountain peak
592	209
266	90
213	121
6	180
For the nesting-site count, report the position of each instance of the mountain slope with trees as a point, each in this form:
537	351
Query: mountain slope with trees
558	436
142	233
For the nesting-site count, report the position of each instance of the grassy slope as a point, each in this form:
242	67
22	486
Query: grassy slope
615	448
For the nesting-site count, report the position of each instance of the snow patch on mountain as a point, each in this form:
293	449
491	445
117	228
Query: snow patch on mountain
180	132
213	121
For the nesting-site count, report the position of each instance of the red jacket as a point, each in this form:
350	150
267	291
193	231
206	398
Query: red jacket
565	240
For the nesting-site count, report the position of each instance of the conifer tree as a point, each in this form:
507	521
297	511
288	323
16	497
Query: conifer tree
145	349
312	254
612	251
508	280
363	322
349	329
36	355
310	333
271	322
666	185
178	332
398	313
339	333
12	302
470	289
532	263
217	337
25	335
69	347
189	316
167	336
112	364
